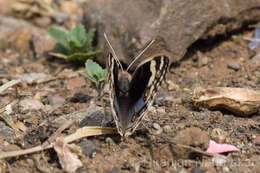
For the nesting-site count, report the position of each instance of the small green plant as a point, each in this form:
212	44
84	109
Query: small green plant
96	74
75	45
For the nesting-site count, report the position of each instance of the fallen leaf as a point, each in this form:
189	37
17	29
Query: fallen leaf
241	101
68	160
220	148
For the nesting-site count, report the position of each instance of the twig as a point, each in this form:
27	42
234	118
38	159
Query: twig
80	133
9	84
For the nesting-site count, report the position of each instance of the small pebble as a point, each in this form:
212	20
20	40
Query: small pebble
257	140
158	128
61	17
114	170
163	99
183	171
56	101
30	104
89	148
203	61
93	155
197	170
167	128
6	143
219	161
110	141
160	111
8	109
226	169
172	86
218	135
255	61
234	65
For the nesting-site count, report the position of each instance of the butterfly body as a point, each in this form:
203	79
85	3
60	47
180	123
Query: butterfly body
132	94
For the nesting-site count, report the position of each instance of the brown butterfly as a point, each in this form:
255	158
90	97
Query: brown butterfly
132	94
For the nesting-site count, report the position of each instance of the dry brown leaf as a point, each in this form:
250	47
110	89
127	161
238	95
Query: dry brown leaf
68	160
241	101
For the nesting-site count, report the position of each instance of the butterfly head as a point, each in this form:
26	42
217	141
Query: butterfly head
124	79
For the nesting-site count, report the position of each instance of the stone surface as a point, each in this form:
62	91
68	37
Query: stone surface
180	23
24	37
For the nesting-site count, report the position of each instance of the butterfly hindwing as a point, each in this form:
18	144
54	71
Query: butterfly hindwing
145	82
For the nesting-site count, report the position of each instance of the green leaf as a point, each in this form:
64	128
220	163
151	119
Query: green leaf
78	34
90	37
58	35
76	45
95	71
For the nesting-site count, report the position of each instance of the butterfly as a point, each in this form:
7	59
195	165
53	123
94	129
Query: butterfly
132	94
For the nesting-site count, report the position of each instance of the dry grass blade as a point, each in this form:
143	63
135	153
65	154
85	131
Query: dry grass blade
89	131
80	133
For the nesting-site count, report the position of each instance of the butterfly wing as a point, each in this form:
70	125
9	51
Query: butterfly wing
113	86
145	82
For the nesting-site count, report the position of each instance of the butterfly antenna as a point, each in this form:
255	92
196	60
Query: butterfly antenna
140	54
117	60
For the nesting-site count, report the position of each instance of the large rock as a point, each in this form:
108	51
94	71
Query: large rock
23	37
130	24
